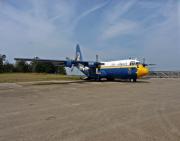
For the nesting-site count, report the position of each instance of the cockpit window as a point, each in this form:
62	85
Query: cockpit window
132	63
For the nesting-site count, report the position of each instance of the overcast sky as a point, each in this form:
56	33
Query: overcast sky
114	29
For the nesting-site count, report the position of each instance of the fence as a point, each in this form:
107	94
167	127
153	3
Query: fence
164	74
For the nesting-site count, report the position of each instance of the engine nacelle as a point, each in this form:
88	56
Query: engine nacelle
82	68
69	63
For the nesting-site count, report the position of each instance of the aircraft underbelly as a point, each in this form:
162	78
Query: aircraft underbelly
123	73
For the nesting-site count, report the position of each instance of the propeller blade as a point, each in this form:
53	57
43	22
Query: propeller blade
67	58
97	58
3	57
151	64
144	61
72	67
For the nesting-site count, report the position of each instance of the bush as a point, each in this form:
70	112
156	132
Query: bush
1	66
60	70
46	67
43	67
34	66
22	66
7	67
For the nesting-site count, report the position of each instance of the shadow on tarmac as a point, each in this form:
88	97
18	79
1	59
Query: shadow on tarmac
89	81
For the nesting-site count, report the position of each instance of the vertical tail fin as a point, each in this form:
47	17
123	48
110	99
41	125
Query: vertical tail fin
78	56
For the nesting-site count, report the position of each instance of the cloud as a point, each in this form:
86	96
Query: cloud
162	41
121	28
112	28
89	11
32	31
118	9
115	25
147	29
62	12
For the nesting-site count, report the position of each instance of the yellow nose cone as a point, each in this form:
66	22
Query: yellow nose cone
142	71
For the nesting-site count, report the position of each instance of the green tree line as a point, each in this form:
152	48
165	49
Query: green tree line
36	67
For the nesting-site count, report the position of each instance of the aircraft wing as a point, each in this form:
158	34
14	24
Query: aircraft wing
55	62
66	63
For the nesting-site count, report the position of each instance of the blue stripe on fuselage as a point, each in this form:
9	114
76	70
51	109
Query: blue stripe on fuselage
122	73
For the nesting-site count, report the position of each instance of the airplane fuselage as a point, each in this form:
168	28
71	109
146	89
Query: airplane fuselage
121	69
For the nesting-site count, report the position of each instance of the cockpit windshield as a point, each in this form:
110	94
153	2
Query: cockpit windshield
137	63
132	63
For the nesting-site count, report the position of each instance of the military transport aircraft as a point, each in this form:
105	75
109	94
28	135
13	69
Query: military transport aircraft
130	69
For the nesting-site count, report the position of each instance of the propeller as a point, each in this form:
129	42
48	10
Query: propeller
97	58
3	57
97	61
145	64
97	64
72	68
70	63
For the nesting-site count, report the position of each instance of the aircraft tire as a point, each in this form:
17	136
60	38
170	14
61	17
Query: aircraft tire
110	79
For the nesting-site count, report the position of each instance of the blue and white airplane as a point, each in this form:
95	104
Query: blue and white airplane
130	69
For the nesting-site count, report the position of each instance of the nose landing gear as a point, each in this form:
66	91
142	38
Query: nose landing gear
133	80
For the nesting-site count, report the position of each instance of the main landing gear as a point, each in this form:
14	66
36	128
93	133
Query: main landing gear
133	80
110	79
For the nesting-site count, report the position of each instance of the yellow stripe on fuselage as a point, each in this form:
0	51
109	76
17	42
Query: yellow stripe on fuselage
116	67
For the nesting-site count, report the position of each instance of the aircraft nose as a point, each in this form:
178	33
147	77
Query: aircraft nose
142	71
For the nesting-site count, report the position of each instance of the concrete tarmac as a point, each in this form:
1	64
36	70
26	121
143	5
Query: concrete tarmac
148	110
